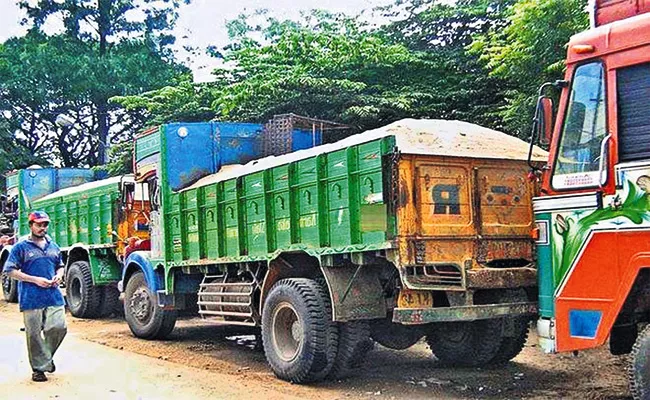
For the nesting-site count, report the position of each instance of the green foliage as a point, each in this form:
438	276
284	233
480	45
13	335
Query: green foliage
12	154
101	53
182	101
120	160
529	51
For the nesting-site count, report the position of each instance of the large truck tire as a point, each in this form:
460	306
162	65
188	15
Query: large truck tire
515	329
84	299
110	305
300	339
354	345
639	367
465	344
9	289
513	339
394	336
146	319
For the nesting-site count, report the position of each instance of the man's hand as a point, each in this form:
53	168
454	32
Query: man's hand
42	282
58	277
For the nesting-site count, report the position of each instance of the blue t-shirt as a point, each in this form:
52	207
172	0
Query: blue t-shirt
30	259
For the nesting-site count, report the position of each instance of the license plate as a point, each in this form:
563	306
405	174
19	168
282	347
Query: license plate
414	299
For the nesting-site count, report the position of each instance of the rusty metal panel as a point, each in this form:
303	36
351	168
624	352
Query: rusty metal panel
417	316
444	199
498	278
505	200
356	293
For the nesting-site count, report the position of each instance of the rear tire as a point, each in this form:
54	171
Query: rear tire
354	345
514	329
111	305
513	339
395	336
465	344
84	299
639	367
146	319
300	339
9	289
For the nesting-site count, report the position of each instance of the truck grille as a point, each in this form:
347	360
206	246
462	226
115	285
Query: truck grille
436	274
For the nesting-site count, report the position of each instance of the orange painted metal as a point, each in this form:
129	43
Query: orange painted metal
601	280
458	214
608	11
135	214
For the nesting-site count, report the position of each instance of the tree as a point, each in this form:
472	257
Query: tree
527	52
108	48
12	154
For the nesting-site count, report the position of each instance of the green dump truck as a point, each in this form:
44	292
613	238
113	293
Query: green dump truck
91	223
21	189
418	229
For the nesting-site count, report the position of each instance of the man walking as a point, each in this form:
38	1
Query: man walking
35	261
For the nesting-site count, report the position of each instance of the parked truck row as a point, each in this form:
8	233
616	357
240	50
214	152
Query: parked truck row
422	228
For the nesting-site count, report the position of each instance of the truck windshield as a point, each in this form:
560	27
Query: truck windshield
583	130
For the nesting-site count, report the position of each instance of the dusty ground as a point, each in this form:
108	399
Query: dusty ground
235	364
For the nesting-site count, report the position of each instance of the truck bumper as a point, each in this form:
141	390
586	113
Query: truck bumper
418	316
546	335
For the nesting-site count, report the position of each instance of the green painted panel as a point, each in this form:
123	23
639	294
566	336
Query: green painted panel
73	218
147	145
82	230
60	219
95	220
545	266
229	208
190	225
106	224
104	267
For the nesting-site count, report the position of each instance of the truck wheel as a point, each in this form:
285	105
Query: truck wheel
639	368
10	289
300	339
110	305
83	298
513	339
146	319
354	345
515	329
394	336
465	344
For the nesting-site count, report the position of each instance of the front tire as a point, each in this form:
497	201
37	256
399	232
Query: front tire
84	299
9	289
146	319
300	339
639	367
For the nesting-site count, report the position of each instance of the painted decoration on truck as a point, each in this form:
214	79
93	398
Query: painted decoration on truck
571	230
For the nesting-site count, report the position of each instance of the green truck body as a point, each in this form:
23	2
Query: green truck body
389	234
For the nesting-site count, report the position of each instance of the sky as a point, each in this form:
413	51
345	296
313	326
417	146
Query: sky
203	22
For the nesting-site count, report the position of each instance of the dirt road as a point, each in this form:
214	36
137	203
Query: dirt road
202	361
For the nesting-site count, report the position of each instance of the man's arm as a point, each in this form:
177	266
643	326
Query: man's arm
12	269
37	280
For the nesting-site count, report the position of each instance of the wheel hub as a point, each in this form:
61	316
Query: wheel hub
287	332
74	292
140	305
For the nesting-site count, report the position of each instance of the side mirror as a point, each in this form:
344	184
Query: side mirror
545	107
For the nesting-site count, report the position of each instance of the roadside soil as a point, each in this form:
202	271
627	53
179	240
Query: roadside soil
230	358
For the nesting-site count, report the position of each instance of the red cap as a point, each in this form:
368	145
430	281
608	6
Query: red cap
38	216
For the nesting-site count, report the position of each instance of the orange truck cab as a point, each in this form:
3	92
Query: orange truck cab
593	215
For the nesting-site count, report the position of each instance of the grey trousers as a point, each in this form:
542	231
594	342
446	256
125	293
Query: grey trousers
45	329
